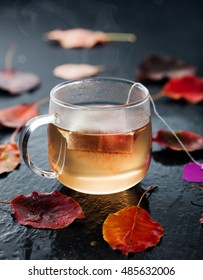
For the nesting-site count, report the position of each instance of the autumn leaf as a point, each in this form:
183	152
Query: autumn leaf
85	38
77	71
189	88
157	67
131	230
16	82
9	157
46	210
201	219
192	141
17	116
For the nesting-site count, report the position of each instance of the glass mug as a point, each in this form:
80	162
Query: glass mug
97	143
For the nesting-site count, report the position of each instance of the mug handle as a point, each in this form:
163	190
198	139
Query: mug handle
29	127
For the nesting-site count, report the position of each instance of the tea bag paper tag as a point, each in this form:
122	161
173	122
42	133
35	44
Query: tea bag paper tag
192	172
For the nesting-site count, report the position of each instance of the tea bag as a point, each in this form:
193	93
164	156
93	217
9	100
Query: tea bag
104	143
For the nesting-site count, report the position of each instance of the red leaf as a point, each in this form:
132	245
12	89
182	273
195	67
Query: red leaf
191	141
77	71
85	38
189	88
9	157
132	229
17	116
46	210
16	82
158	67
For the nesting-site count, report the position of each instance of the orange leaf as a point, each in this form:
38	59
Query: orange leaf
132	229
77	71
17	116
9	157
189	88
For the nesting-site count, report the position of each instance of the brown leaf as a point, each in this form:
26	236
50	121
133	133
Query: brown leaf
9	157
76	71
85	38
46	210
158	67
18	115
17	82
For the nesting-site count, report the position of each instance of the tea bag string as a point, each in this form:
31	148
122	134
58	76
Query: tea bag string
167	125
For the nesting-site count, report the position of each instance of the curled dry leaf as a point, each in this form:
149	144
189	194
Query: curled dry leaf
16	82
46	210
158	67
77	71
85	38
17	116
9	157
192	141
201	219
131	230
189	88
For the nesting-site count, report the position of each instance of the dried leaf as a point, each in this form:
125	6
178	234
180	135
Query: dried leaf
201	219
16	82
46	210
131	230
191	141
158	67
189	88
17	116
85	38
192	172
77	71
9	157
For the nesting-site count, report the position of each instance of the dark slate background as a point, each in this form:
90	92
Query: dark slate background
162	27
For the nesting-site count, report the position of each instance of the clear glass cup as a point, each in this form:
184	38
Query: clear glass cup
97	143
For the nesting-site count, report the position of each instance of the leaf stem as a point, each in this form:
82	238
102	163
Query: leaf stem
157	95
197	187
13	135
137	208
9	56
125	37
4	202
43	101
148	190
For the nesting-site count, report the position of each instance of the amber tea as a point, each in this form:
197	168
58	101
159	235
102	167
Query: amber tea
99	163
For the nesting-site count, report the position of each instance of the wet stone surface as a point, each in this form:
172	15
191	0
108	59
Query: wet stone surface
174	204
